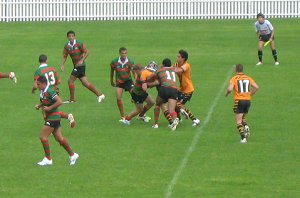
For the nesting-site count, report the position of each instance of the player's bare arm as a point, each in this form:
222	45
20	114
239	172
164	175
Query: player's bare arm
229	89
255	88
63	60
84	55
35	87
181	69
57	103
112	72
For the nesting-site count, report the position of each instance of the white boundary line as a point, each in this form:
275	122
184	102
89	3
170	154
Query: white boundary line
196	138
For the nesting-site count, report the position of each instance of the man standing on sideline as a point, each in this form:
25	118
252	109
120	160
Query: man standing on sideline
121	68
183	70
265	33
78	53
244	87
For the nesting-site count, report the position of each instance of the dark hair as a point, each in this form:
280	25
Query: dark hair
166	62
239	68
42	79
260	15
70	32
184	54
122	49
42	58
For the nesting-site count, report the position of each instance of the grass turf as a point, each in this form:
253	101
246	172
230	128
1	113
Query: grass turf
138	161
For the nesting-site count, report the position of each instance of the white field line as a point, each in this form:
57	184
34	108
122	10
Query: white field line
196	138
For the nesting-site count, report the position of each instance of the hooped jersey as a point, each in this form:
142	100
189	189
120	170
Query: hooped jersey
242	85
185	79
166	77
75	51
122	69
50	73
137	88
47	98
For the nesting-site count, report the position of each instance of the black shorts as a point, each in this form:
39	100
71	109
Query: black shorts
166	93
127	86
265	38
138	99
78	72
52	124
183	97
241	106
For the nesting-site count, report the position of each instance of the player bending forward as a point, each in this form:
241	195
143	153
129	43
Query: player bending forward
244	87
167	92
50	102
139	96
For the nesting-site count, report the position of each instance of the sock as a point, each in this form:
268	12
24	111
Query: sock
191	115
3	75
145	109
274	52
156	114
168	116
128	117
72	92
46	147
64	143
260	54
63	115
240	128
173	114
177	110
120	106
93	89
244	122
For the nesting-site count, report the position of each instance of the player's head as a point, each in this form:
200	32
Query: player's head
182	56
260	17
41	82
166	62
71	35
138	67
123	52
152	66
239	68
42	58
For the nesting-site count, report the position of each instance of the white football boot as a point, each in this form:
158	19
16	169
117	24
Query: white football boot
73	158
45	162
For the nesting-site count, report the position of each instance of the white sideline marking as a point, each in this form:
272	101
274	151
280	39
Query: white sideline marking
195	140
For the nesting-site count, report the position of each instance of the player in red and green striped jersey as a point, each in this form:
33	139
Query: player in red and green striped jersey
53	81
50	102
139	96
121	68
167	92
78	53
10	75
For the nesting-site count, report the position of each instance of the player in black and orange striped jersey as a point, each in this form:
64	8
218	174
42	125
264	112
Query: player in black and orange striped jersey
167	92
244	87
78	53
183	70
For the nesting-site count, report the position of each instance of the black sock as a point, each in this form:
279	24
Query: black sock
260	54
274	52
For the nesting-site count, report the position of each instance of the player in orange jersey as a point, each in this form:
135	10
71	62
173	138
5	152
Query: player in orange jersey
244	87
183	70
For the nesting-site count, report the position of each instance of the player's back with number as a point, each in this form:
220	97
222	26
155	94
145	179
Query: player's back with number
49	72
167	77
242	85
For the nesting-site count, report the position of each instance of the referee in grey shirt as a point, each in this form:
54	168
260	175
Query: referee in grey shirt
265	33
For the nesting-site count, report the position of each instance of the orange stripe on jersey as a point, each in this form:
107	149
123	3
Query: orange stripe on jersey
242	85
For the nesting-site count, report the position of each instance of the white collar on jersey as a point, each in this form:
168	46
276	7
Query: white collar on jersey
44	65
44	91
73	43
123	63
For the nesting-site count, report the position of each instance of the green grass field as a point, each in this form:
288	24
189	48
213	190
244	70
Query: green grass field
138	161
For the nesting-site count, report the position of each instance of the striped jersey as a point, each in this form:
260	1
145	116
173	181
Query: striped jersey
47	98
186	84
166	77
264	28
75	51
137	88
241	86
122	69
50	73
